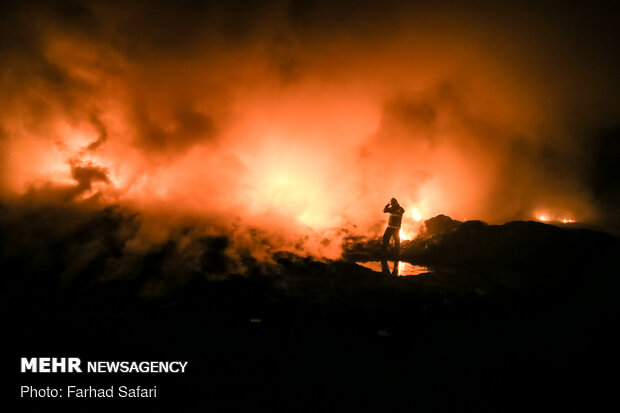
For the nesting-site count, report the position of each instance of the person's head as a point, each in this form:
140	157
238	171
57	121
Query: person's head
394	202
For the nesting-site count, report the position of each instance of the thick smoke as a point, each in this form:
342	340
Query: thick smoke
298	120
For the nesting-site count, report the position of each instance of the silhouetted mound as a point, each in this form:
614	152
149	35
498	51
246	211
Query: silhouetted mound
518	245
439	224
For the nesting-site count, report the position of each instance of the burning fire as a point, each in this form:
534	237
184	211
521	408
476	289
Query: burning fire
553	217
411	225
274	131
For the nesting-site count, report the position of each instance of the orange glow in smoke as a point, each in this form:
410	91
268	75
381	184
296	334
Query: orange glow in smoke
291	136
294	193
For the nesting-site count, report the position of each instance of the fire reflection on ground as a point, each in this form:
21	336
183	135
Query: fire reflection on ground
403	268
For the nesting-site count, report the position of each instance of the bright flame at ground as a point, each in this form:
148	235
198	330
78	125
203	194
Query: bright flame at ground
554	217
411	224
416	215
403	235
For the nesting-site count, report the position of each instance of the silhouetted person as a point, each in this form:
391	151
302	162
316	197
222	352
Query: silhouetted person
393	229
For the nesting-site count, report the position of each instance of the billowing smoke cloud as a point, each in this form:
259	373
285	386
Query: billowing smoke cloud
298	119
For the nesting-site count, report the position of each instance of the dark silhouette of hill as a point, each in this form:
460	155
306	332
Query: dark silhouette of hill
521	246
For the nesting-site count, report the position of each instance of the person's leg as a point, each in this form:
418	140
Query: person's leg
384	267
395	270
386	238
397	239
